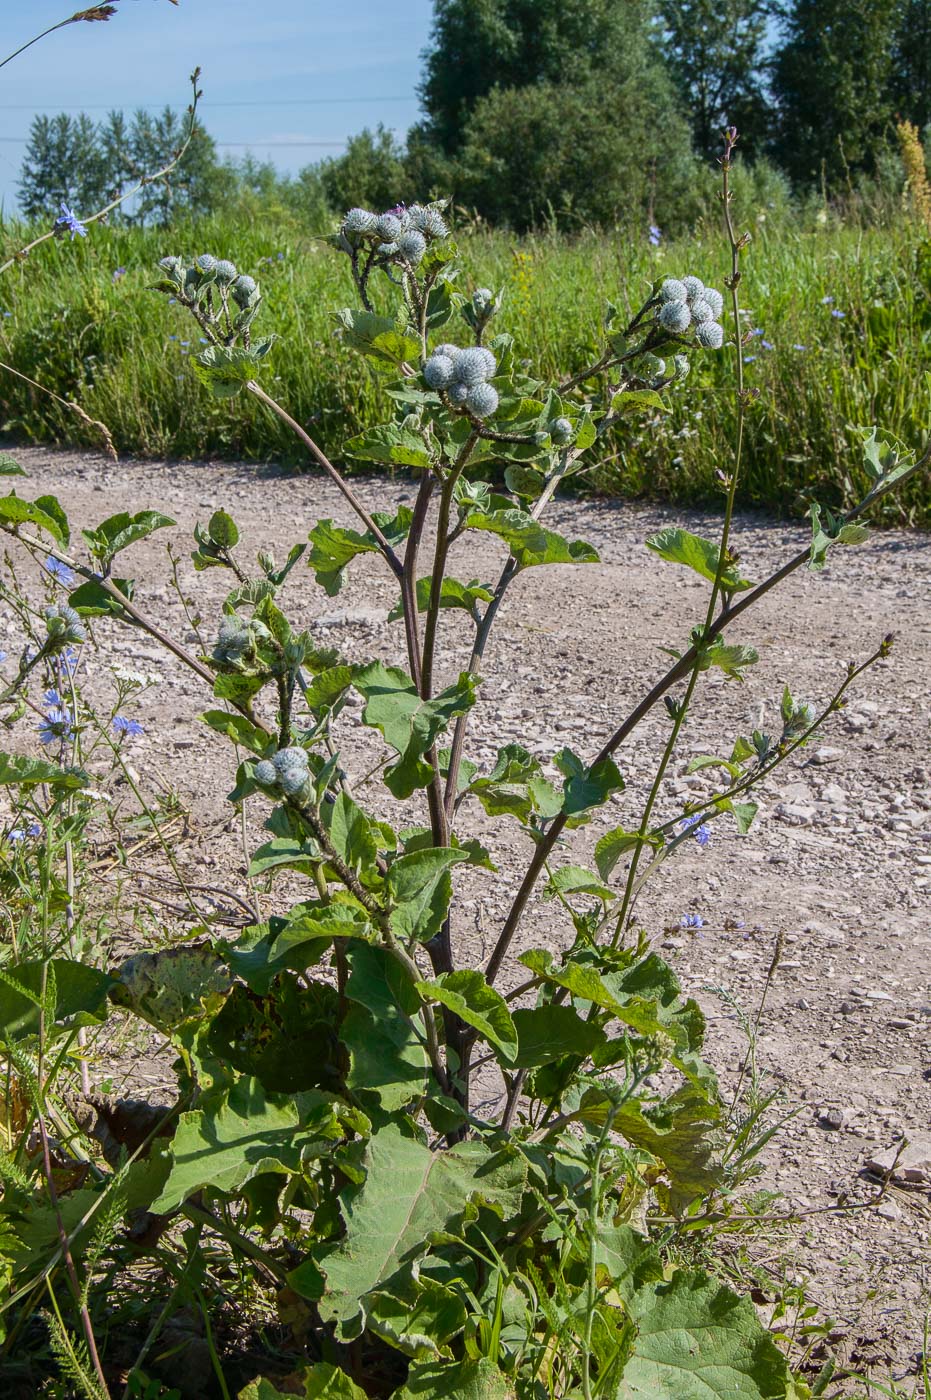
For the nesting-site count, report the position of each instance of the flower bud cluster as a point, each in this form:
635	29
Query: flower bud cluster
192	283
64	626
236	641
562	431
289	770
688	303
400	234
463	376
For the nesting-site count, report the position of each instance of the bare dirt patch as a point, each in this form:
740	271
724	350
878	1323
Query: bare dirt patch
837	865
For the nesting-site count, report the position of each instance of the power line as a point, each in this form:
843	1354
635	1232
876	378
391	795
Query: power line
205	105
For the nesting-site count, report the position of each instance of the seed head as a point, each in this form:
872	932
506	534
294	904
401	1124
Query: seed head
701	311
694	287
710	335
674	316
715	301
673	290
412	246
458	393
438	371
388	227
360	221
206	262
265	772
225	272
483	400
292	768
475	364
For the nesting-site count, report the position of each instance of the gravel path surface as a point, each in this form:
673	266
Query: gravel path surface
836	869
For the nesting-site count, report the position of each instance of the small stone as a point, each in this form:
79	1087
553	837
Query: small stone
889	1210
902	1023
794	813
832	1118
835	795
913	1166
826	755
803	1005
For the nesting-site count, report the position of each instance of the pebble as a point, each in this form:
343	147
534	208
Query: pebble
794	813
833	1118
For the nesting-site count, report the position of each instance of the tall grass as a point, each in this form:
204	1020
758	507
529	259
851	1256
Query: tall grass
843	316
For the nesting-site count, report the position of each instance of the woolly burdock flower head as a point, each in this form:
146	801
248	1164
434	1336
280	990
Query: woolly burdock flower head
234	639
675	316
475	364
561	430
225	272
206	263
458	393
673	290
715	301
438	371
412	246
482	400
388	227
171	265
64	624
244	289
265	772
428	221
482	299
710	335
292	770
694	287
360	221
701	311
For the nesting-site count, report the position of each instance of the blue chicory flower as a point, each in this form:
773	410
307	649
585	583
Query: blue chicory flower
69	221
57	724
691	921
118	274
838	315
655	235
803	348
2	655
767	345
748	359
826	301
59	571
699	829
130	727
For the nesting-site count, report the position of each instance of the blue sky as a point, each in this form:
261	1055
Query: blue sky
288	80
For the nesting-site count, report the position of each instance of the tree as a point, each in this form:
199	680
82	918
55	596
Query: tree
371	173
910	85
831	81
714	49
477	45
588	153
87	165
63	162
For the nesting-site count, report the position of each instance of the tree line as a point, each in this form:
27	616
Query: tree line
568	111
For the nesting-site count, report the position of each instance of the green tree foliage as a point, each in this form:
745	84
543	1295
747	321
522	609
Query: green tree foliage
86	164
911	62
371	172
714	51
588	154
831	80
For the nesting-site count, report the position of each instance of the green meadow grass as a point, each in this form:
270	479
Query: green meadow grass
122	352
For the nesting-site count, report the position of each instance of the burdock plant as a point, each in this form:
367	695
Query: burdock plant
433	1245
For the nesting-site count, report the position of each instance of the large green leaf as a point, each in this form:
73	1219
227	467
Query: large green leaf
334	546
121	530
387	1056
408	1193
698	1341
14	511
410	724
395	444
240	1132
616	843
418	1316
285	1039
516	787
9	466
420	889
453	594
545	1033
471	998
77	995
238	729
682	547
18	770
321	1382
381	338
224	369
586	787
528	541
681	1132
456	1380
351	833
